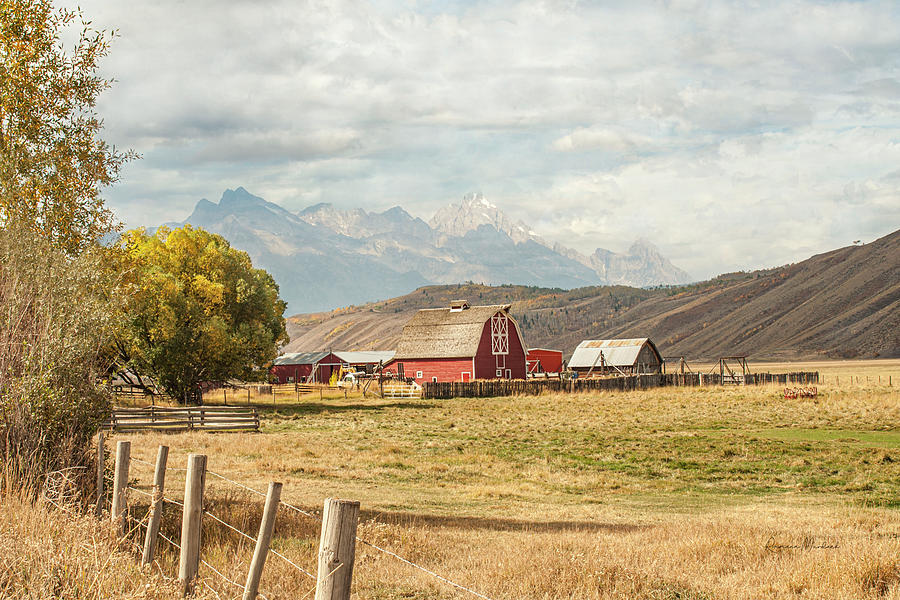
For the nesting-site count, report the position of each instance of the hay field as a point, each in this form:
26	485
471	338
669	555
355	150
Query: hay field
671	493
46	553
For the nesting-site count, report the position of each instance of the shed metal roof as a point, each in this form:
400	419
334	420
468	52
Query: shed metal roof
446	333
300	358
364	356
619	353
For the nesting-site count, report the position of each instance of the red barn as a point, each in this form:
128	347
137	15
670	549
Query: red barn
461	343
304	367
542	360
308	367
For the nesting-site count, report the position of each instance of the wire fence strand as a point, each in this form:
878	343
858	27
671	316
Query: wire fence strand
163	536
292	563
316	518
220	574
235	529
142	492
237	483
262	494
302	512
371	545
150	464
423	569
229	526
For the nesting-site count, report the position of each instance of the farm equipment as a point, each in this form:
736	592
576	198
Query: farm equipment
800	392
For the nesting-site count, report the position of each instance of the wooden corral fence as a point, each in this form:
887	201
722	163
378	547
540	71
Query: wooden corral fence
337	542
396	389
534	387
298	389
302	388
781	378
205	418
135	395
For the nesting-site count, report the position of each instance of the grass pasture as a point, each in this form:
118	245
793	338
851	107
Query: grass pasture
669	493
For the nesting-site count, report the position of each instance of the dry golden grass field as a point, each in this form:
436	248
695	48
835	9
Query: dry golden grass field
48	554
673	493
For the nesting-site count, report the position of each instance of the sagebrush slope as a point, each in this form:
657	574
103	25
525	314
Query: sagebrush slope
841	304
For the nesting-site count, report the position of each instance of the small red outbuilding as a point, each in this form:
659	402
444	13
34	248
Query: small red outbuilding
542	360
302	367
461	343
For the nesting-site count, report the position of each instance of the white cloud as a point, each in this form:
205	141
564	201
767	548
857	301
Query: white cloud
604	139
692	123
757	201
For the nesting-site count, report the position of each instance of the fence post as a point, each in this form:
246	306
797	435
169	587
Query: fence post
123	458
337	549
273	497
101	471
189	559
156	506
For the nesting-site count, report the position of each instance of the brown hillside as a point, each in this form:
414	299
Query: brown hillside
844	303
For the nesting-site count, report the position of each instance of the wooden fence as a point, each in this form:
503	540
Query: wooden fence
394	389
534	387
337	541
132	394
206	418
301	388
135	395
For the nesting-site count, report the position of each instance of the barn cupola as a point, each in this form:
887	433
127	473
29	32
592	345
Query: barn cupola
458	305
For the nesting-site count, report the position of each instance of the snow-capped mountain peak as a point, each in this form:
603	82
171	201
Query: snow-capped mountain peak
363	255
455	220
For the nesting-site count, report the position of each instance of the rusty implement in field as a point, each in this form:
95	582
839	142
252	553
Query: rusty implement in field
801	392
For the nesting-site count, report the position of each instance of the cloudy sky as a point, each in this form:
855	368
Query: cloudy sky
734	135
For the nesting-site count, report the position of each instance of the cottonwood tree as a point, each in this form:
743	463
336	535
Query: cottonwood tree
196	310
53	161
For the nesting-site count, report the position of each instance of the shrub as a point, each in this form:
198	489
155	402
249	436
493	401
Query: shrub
55	319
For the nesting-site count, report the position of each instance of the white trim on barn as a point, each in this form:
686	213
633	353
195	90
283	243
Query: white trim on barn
500	334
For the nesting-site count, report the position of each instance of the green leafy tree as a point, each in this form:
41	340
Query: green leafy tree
53	161
56	313
196	310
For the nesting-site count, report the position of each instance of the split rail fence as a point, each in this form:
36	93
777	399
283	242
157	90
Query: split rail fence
337	542
206	418
534	387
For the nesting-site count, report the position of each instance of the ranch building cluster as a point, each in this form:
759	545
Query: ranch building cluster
463	343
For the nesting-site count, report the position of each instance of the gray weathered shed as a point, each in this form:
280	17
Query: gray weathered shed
629	356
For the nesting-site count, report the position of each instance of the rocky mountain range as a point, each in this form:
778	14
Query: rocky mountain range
323	257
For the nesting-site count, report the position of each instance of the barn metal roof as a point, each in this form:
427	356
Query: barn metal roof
364	356
300	358
446	333
619	353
